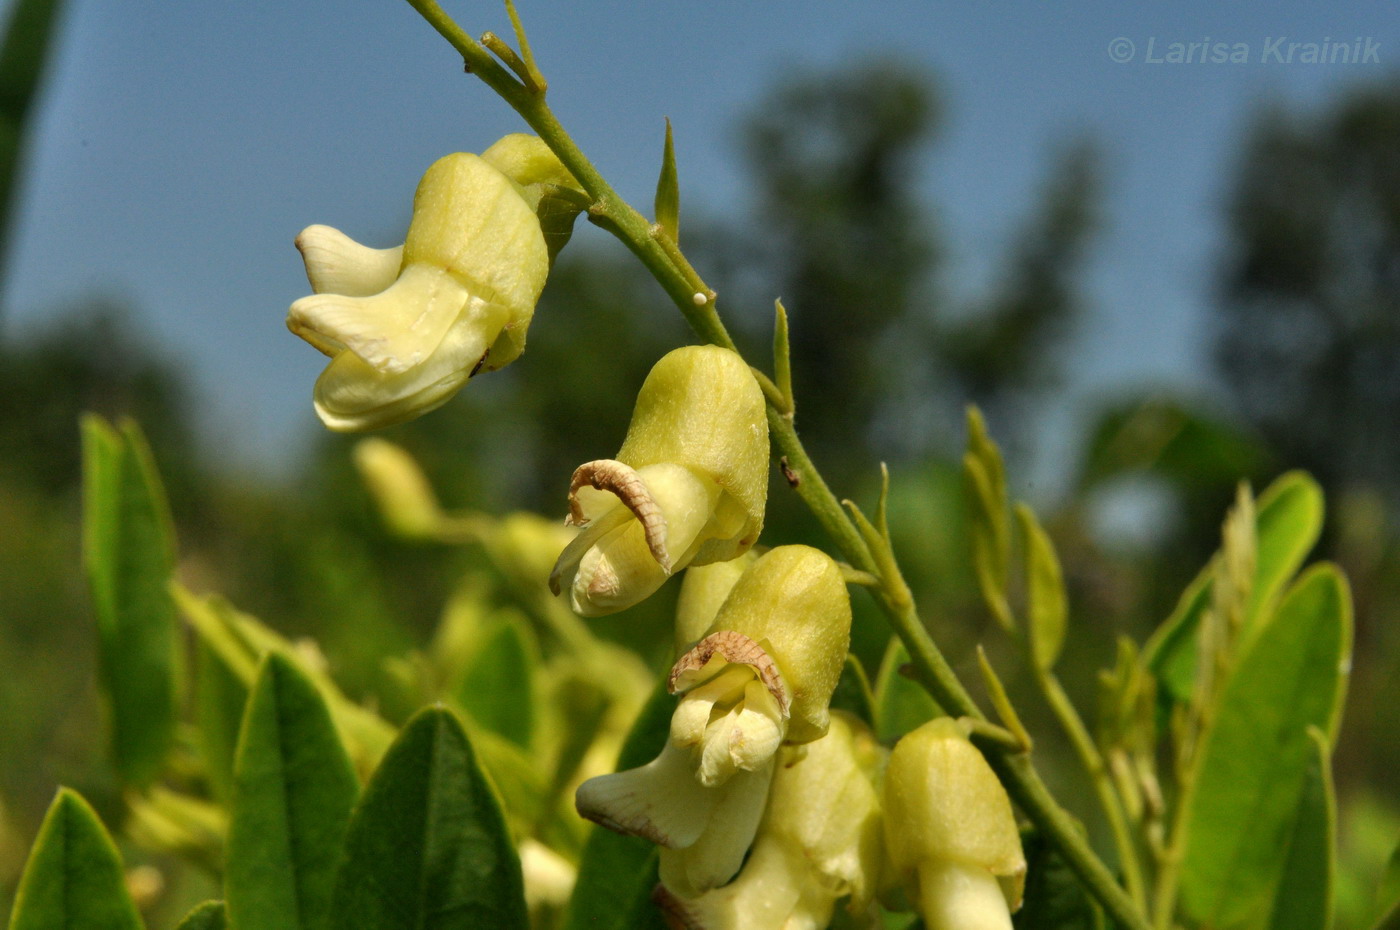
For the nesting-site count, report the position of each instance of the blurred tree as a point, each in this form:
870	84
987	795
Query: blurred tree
1308	333
29	33
1009	346
88	359
1308	339
835	158
846	238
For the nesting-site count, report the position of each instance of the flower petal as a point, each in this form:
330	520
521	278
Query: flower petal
716	855
661	801
402	326
337	264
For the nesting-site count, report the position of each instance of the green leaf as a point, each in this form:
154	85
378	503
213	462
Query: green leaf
293	790
497	687
74	879
1252	766
1047	606
900	703
1303	900
239	641
207	916
853	693
427	848
129	551
1054	898
668	192
617	873
1288	524
1288	519
984	480
1388	893
220	698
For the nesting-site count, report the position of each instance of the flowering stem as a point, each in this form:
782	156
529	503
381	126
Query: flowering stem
682	283
1093	762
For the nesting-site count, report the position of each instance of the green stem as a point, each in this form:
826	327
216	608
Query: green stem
681	283
1093	762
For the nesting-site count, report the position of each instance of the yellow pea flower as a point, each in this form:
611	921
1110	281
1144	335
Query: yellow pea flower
688	486
762	675
949	831
405	328
819	842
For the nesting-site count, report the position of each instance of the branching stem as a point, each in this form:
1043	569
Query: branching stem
681	283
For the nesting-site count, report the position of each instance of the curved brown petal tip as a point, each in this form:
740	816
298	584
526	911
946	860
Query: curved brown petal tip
629	488
677	914
733	647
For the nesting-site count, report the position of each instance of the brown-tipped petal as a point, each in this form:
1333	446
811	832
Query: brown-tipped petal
624	482
732	647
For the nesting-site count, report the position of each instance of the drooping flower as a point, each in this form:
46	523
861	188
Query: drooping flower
761	675
688	486
405	328
819	841
949	831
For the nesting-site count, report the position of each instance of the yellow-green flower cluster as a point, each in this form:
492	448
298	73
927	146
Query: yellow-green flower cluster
760	676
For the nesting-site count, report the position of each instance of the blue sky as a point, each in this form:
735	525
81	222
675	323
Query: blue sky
182	146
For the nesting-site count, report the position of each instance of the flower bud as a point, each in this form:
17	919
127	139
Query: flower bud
688	486
819	841
789	618
406	328
950	834
406	500
763	673
702	593
529	163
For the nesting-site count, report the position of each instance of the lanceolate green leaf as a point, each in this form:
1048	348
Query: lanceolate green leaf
1287	523
129	551
427	848
1054	898
1047	607
1253	764
853	693
497	688
220	698
73	880
900	703
238	641
207	916
293	789
1388	894
617	873
1303	899
668	193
